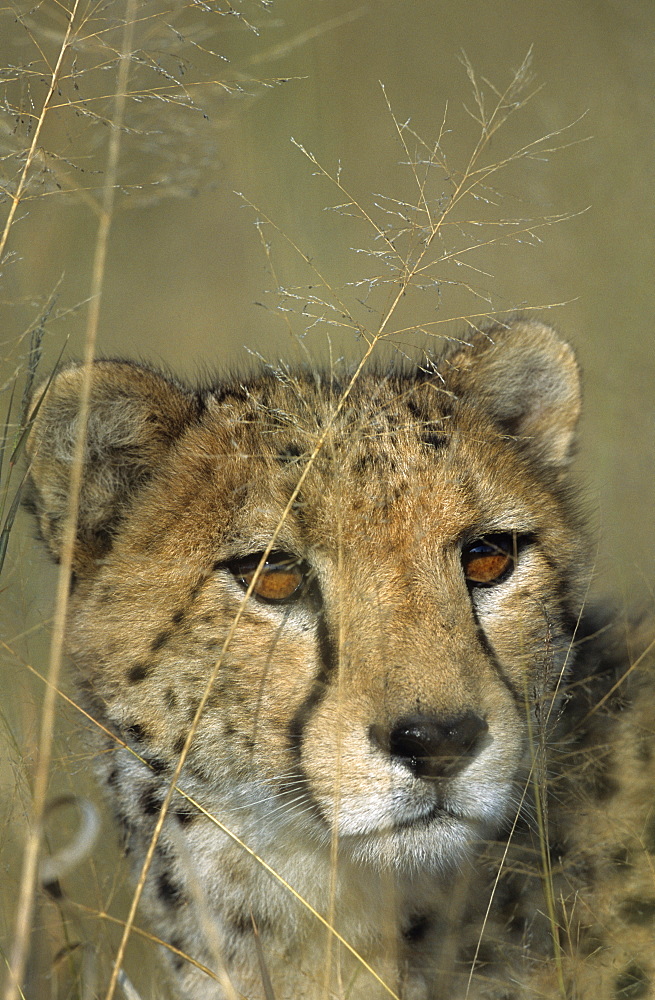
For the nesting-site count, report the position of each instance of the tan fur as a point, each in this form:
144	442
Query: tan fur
304	748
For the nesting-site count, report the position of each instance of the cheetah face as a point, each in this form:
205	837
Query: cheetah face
408	734
354	593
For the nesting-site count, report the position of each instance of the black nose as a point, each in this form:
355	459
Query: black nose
432	747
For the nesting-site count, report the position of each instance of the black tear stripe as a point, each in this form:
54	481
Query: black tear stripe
517	696
328	660
328	664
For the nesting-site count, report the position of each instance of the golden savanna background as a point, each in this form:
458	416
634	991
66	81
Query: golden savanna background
197	183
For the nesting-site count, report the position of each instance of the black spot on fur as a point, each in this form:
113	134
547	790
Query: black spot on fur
416	411
417	928
178	616
518	925
138	732
151	801
299	509
165	854
104	537
511	906
186	815
436	441
638	911
589	941
194	704
290	453
556	851
112	777
158	765
177	960
170	892
138	672
199	771
200	401
621	857
170	698
509	894
178	746
54	889
631	984
583	869
160	640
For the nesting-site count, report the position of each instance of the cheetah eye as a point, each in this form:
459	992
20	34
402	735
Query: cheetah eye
281	578
489	560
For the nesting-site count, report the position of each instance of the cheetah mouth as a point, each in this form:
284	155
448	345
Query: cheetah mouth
437	814
439	827
434	818
435	839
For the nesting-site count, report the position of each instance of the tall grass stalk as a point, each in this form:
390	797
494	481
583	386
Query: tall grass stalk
42	770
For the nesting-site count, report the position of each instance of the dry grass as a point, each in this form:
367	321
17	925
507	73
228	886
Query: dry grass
418	245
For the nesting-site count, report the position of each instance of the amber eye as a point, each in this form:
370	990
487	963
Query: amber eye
489	560
280	578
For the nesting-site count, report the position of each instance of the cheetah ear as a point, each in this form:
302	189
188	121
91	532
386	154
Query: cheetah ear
134	416
527	379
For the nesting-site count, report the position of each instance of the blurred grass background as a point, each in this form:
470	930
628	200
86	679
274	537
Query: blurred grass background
215	97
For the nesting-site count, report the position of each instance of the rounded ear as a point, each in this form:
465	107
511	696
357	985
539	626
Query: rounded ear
135	414
526	378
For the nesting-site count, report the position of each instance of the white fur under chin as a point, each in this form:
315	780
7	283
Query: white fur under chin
437	848
429	835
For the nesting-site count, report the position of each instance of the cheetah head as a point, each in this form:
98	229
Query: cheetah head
360	594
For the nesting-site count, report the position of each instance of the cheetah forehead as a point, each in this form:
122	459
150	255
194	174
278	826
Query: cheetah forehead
510	398
377	418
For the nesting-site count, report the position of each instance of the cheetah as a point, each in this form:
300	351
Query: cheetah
334	628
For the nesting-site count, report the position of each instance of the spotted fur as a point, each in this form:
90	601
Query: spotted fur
455	773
